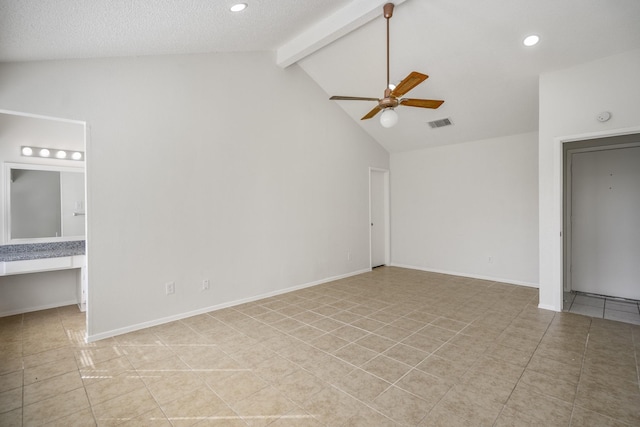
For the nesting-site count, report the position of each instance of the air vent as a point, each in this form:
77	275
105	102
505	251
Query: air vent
440	123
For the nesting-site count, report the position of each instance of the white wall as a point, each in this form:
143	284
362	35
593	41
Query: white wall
29	292
454	207
570	101
221	167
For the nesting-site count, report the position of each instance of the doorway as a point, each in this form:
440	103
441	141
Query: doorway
379	217
602	216
51	287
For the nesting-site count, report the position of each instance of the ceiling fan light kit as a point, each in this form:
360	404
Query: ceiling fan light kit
393	94
389	118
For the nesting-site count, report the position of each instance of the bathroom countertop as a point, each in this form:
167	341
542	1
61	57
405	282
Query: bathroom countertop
29	251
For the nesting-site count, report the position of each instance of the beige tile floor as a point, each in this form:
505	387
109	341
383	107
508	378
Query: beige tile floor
386	348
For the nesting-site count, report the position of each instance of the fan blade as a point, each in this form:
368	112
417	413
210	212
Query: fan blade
409	82
422	103
371	113
352	98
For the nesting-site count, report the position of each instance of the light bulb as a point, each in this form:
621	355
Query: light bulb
61	154
389	118
27	151
76	156
44	152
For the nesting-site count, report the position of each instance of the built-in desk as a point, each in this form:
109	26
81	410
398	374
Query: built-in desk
50	256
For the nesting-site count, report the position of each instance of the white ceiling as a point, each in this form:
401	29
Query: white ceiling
36	29
472	50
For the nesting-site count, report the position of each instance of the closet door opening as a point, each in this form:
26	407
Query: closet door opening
602	217
379	217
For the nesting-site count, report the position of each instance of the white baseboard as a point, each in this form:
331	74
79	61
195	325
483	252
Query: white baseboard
548	307
38	308
156	322
472	276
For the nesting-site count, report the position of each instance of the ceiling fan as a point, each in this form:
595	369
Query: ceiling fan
393	96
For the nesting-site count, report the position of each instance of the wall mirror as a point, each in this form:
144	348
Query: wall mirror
43	203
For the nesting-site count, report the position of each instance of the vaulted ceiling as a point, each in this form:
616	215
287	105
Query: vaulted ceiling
472	50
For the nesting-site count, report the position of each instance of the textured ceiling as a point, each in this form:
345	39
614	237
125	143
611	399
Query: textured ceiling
472	50
55	29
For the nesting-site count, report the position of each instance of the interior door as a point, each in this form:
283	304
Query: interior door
378	219
605	222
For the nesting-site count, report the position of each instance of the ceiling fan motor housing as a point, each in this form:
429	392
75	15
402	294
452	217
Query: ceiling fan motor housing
388	103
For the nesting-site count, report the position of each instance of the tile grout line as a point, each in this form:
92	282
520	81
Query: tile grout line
573	300
504	405
584	356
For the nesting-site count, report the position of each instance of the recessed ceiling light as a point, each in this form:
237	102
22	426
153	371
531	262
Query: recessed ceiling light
238	7
531	40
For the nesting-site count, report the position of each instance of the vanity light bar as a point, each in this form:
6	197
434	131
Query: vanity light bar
51	153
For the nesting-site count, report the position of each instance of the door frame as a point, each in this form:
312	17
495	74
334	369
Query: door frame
386	213
556	286
612	142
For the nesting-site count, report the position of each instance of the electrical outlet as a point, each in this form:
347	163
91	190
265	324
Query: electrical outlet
170	288
205	284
